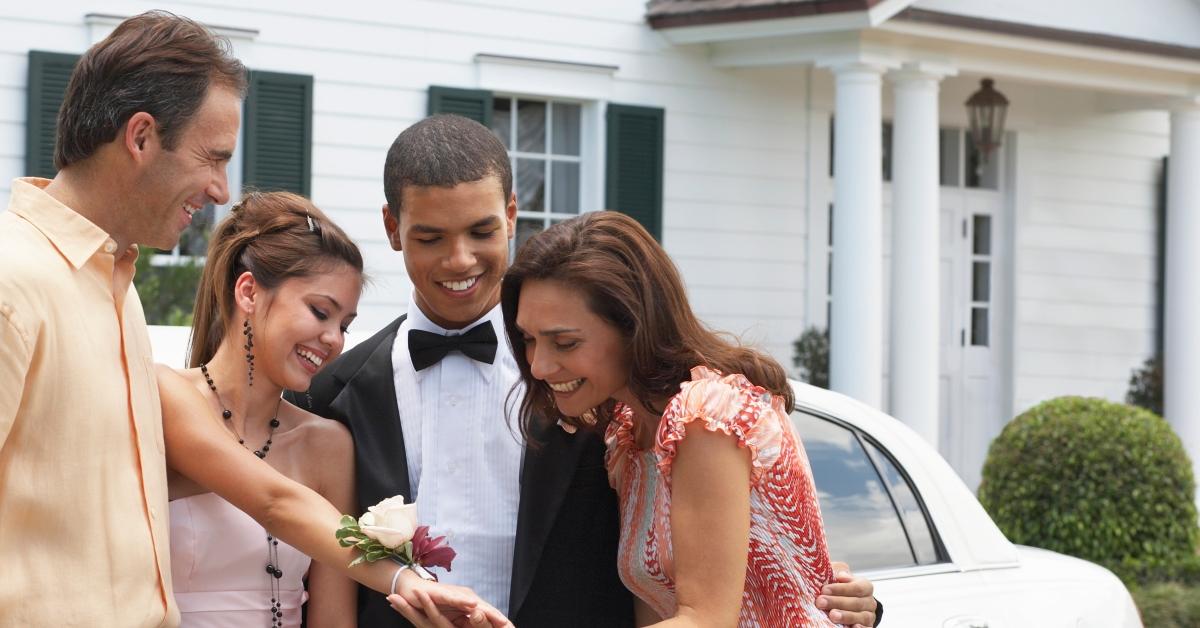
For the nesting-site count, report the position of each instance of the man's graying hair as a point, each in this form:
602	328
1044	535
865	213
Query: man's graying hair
443	151
155	62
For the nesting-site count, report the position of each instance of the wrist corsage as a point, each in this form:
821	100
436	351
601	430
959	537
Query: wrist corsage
389	530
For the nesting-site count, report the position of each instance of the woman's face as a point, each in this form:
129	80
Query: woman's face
579	355
304	324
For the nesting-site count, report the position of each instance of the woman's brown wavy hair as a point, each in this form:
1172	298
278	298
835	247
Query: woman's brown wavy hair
629	281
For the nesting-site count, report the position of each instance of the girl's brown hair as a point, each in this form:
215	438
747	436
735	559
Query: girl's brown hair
629	281
275	236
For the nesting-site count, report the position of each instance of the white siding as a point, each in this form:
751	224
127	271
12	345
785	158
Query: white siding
1086	250
733	211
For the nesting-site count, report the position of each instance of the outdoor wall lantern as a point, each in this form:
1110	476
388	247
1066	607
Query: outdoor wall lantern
985	110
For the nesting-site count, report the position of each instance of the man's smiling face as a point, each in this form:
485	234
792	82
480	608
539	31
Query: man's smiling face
455	243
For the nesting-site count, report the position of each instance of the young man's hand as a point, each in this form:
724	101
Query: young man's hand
849	600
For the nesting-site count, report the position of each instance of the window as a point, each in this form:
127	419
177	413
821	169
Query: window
552	144
873	516
544	140
981	278
962	164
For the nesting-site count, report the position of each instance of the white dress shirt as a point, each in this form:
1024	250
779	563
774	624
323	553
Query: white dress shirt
464	459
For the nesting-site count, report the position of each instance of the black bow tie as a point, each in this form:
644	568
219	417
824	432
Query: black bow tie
427	348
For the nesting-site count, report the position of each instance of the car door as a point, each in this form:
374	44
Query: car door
875	521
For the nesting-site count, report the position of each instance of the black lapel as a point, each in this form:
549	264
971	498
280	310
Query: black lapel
546	475
368	401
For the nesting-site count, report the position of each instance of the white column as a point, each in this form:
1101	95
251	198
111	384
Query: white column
1181	333
916	285
856	325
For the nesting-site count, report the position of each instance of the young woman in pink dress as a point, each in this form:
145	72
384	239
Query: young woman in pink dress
720	524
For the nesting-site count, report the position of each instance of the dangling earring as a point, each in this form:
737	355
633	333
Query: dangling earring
249	333
589	417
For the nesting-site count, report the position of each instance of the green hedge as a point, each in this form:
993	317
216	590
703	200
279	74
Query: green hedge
1099	480
1169	605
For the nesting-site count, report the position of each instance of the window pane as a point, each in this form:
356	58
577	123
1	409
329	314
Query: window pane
887	151
526	228
980	281
980	174
502	120
910	510
565	187
566	129
531	185
979	326
861	525
982	244
948	156
531	126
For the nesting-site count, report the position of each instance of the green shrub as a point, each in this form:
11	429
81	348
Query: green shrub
1169	605
1099	480
1146	386
167	292
1133	572
811	356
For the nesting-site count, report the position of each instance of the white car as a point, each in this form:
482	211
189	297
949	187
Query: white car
899	515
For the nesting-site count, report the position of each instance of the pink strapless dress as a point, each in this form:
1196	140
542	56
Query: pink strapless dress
218	565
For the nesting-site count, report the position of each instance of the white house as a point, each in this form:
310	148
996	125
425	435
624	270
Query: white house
961	290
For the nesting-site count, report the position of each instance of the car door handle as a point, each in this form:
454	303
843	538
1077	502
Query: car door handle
965	622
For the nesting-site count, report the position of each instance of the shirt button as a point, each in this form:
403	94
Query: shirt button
110	247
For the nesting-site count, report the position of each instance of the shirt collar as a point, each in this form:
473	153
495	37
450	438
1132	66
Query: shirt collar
76	238
494	317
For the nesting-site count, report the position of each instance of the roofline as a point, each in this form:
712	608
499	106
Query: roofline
922	16
1083	38
756	13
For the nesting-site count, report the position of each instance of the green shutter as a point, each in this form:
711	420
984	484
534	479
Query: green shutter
634	168
475	104
48	76
278	137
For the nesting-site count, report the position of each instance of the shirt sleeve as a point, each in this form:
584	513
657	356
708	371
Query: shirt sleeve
16	352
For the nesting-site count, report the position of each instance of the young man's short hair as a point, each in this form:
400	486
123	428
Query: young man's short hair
443	151
155	62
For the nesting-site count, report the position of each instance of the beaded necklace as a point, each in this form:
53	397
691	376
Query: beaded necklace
272	567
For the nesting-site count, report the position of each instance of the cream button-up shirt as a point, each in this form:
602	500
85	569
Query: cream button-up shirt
83	488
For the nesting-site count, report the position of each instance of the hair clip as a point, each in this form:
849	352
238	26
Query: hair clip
311	227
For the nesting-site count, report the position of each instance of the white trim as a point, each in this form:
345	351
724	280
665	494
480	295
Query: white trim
786	26
546	64
547	78
105	23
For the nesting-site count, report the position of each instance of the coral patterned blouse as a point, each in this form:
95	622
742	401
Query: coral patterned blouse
788	562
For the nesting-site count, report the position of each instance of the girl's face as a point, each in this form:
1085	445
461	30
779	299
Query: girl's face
303	326
583	358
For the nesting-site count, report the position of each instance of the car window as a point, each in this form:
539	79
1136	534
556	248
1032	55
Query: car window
863	526
920	537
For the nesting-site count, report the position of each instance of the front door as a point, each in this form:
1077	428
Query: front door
970	337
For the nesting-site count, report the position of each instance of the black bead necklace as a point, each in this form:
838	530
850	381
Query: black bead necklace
228	415
272	567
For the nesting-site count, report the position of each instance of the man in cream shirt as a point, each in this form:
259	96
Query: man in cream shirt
148	124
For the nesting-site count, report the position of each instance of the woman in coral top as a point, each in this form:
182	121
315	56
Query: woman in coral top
720	524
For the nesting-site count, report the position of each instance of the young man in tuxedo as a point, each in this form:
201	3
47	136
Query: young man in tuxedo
426	399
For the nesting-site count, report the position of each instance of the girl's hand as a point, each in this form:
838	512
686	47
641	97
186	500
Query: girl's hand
433	605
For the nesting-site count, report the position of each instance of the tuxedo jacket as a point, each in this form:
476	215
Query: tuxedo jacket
565	557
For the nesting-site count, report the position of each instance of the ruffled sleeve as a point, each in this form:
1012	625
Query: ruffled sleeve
730	404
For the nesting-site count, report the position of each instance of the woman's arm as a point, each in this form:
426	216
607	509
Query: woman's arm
199	447
710	528
332	599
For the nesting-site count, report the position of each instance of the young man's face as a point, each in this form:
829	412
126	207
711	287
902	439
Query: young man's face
455	245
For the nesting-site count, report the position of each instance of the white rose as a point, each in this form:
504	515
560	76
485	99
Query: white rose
391	522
